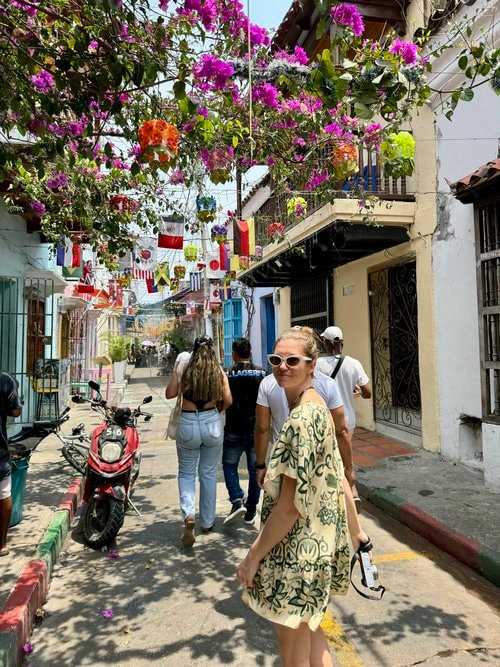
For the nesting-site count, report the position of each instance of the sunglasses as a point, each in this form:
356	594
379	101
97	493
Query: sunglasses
291	361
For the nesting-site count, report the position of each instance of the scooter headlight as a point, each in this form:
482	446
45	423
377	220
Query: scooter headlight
110	451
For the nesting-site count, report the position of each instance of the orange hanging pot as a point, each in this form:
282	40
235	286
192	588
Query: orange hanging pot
158	141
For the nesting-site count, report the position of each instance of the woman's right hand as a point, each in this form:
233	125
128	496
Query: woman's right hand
247	570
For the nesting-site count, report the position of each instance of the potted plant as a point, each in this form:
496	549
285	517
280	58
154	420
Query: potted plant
118	351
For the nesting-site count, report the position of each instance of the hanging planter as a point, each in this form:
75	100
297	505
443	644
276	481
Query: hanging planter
244	262
174	285
179	271
276	231
159	142
206	207
296	207
190	253
344	161
397	154
123	204
218	233
125	280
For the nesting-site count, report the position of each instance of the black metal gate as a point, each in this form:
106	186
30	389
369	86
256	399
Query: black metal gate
311	303
394	331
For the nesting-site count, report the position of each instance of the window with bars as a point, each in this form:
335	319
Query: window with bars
488	235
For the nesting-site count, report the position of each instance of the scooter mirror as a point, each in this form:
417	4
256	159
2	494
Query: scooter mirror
148	399
93	385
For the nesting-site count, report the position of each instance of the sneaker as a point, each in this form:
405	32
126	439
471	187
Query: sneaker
188	537
249	517
237	510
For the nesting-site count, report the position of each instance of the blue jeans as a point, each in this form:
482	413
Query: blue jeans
199	441
233	448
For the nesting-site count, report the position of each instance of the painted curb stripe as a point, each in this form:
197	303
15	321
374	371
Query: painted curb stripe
30	590
489	561
18	613
341	647
464	549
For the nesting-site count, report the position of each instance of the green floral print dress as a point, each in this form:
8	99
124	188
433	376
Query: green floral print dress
296	578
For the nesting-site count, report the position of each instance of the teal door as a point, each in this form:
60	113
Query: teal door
232	311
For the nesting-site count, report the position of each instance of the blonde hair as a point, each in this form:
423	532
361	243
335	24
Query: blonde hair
203	378
303	335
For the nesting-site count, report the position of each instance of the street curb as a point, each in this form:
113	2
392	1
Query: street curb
467	551
30	591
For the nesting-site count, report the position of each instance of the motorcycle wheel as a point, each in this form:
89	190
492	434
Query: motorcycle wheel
102	521
76	459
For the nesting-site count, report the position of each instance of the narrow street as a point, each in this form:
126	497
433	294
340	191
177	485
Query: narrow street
171	606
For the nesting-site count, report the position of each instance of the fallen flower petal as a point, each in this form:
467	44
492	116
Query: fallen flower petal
28	648
108	613
113	554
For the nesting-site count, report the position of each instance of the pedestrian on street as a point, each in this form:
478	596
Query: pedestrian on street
272	411
205	393
10	406
301	554
244	379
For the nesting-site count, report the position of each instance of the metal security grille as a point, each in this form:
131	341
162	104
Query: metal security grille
311	303
396	381
488	233
27	337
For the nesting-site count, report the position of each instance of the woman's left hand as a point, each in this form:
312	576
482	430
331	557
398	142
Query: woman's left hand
247	570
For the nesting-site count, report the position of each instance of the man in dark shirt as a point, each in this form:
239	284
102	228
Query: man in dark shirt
244	380
10	406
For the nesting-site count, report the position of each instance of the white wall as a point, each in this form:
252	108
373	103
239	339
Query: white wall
462	146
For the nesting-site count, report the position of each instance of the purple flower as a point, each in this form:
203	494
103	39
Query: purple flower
108	613
267	94
93	45
177	177
31	11
206	9
349	17
407	50
214	69
38	208
43	81
113	554
57	180
163	5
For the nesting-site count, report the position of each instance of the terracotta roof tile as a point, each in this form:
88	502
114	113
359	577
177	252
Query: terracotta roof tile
481	176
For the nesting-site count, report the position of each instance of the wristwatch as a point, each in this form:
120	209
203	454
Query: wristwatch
260	466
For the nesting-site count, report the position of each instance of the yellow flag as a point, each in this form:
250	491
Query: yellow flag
162	274
251	236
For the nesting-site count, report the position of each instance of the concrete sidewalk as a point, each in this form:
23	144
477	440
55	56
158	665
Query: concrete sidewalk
444	502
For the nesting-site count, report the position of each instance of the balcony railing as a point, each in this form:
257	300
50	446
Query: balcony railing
369	180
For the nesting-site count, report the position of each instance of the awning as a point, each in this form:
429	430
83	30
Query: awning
67	303
45	283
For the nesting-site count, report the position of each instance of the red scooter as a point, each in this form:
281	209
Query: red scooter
112	469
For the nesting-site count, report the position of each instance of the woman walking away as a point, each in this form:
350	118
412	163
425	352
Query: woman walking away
301	555
205	393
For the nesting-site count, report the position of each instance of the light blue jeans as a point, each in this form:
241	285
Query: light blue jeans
199	445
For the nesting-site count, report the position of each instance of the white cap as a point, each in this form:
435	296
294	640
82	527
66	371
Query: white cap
333	333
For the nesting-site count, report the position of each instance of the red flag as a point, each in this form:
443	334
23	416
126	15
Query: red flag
172	235
151	287
241	237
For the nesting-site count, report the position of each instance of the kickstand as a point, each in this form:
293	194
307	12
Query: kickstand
132	505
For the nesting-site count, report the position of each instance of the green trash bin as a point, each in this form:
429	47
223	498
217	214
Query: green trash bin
19	472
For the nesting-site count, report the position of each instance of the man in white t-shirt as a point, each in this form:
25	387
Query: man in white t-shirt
272	410
351	377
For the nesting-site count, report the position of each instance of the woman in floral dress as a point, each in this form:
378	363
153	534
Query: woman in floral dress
301	556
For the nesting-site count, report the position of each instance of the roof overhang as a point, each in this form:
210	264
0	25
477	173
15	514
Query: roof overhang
483	183
45	282
67	303
331	237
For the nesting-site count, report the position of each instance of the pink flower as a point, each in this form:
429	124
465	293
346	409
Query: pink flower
108	613
407	50
93	45
28	648
57	180
214	69
43	81
163	5
114	554
349	17
266	93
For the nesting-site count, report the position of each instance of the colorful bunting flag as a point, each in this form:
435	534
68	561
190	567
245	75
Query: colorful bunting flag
241	237
145	253
171	234
69	252
251	236
142	274
225	292
162	274
214	270
195	281
225	263
215	299
151	287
